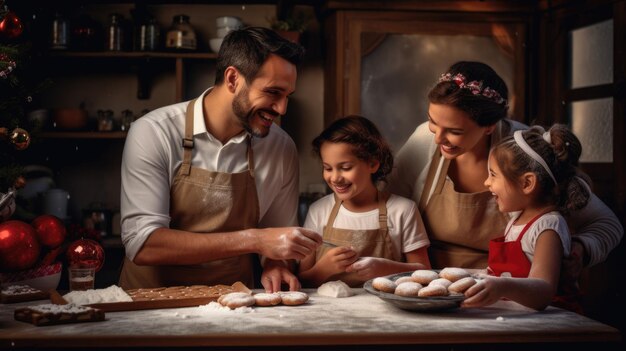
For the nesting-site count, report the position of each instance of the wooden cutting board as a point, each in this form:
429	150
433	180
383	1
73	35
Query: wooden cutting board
167	297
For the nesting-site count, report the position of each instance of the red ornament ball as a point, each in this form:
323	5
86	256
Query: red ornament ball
19	248
11	26
85	253
50	230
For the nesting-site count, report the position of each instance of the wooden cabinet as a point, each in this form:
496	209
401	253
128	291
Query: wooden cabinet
382	61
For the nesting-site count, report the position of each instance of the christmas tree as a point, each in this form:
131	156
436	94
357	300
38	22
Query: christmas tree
17	88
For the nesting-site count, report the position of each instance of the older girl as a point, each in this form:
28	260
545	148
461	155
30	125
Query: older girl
366	233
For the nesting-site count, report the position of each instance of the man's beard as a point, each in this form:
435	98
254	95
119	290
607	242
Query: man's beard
245	113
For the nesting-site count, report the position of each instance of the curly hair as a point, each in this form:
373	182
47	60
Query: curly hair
366	141
560	151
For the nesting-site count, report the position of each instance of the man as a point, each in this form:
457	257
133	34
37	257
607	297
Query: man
200	178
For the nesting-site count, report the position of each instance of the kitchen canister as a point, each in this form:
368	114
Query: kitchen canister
181	35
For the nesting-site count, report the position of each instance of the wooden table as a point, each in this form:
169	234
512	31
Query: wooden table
358	322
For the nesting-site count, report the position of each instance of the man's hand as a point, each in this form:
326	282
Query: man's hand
275	273
286	243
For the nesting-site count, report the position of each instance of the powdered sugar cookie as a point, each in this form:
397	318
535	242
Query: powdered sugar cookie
266	299
236	299
441	281
293	298
433	290
453	274
403	280
424	276
461	285
384	284
408	289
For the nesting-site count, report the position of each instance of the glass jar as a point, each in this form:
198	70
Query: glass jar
60	35
148	35
181	35
115	33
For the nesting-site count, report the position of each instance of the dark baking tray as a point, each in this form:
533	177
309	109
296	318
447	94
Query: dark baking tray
419	304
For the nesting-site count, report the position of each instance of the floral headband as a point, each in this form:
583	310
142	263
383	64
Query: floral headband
476	87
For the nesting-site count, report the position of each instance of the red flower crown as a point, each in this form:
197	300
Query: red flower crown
476	87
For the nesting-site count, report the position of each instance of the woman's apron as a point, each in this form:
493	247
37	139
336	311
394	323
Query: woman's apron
459	225
366	242
205	202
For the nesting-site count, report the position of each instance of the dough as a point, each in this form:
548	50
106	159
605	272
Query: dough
236	299
335	288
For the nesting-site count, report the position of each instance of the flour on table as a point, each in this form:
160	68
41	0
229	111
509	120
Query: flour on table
111	294
335	288
217	307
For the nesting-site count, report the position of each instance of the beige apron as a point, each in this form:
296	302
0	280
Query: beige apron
203	201
459	225
367	243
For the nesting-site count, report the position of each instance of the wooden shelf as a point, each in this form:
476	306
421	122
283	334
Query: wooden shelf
144	75
134	54
83	135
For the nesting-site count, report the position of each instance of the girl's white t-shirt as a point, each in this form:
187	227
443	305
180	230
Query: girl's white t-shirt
406	228
551	220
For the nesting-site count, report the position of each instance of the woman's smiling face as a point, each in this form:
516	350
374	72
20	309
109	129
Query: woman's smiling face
455	132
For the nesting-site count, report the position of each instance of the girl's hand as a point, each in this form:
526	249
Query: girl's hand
487	291
369	267
337	259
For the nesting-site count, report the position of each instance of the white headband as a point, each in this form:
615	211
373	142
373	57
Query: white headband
519	139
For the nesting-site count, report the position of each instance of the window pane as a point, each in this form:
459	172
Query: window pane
591	52
592	122
397	76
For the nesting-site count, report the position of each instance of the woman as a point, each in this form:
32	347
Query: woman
443	167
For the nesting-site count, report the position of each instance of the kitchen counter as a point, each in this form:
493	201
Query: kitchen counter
363	319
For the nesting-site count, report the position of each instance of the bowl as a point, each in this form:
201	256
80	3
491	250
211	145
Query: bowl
222	31
43	278
228	21
417	304
70	118
215	44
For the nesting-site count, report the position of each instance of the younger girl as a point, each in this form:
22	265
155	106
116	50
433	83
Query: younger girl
533	175
366	233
